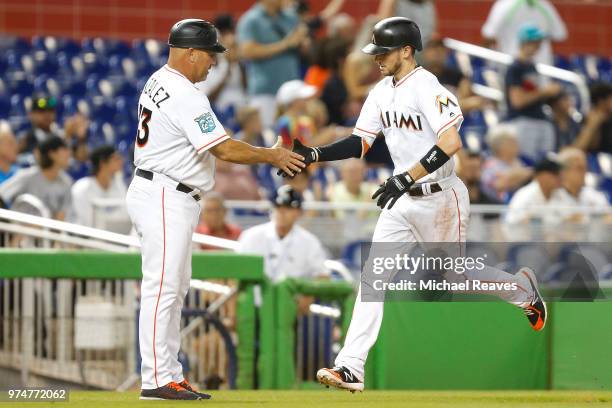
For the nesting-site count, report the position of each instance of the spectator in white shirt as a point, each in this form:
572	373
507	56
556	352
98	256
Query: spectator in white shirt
225	85
289	251
106	183
507	16
577	198
536	201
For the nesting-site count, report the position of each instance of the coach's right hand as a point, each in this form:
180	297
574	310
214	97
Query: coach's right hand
288	162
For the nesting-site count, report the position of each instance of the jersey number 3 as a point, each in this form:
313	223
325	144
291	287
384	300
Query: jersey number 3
142	134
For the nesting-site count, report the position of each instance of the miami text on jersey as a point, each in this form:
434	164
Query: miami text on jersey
412	122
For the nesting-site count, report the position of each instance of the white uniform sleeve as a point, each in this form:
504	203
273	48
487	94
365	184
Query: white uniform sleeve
495	20
518	207
368	124
200	124
557	29
438	105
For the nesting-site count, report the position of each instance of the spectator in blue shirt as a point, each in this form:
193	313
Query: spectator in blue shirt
8	152
525	97
269	38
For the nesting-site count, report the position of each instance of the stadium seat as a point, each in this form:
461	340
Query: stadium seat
5	106
15	44
19	84
55	45
531	256
105	46
100	133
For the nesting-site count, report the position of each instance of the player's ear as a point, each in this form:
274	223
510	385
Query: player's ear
192	56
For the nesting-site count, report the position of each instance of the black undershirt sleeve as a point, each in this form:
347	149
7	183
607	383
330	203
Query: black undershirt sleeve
342	149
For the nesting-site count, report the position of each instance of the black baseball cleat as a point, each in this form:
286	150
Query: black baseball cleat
185	384
170	391
339	377
536	309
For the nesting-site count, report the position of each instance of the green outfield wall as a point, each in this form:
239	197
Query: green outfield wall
422	345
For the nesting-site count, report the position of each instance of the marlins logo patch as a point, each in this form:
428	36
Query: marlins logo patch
206	122
443	102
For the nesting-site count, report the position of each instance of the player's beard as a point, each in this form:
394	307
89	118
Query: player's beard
394	69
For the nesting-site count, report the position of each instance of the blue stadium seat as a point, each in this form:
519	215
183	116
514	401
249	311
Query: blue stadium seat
5	106
100	133
105	46
55	45
16	44
351	254
19	84
563	62
94	64
75	87
101	109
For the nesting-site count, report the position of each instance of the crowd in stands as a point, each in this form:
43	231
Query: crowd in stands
68	111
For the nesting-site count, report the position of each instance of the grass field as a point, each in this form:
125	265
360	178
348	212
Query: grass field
338	399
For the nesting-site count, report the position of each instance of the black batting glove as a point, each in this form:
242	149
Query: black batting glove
310	155
392	189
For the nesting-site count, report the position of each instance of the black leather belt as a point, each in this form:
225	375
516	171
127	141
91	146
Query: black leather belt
179	187
417	191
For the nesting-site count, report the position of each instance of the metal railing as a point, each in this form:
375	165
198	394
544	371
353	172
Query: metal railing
507	59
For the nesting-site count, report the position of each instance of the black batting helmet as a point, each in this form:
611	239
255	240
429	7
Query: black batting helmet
195	33
392	33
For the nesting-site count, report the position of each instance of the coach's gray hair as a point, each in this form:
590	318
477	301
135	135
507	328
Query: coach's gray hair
215	196
499	134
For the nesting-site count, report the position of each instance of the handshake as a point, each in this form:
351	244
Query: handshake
389	192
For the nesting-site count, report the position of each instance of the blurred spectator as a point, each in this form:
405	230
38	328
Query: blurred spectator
422	12
251	129
469	166
342	27
525	97
293	122
301	183
235	181
334	93
225	84
352	187
536	201
48	181
435	61
507	17
564	118
289	251
8	152
106	183
503	172
596	133
212	219
573	192
269	37
315	22
79	164
42	119
43	126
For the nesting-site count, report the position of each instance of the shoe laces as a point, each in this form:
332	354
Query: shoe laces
175	386
185	384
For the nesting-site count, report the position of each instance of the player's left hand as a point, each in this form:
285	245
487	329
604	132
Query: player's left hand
392	189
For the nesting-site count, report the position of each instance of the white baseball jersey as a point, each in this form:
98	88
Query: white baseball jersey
176	128
411	114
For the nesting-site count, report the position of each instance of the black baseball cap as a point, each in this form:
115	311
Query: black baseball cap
287	196
43	102
549	164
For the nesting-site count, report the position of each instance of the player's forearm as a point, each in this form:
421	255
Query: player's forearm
448	144
352	146
239	152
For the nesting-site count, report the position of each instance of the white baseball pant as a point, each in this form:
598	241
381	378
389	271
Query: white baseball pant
165	220
439	217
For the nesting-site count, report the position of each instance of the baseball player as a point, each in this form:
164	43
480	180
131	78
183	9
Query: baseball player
177	141
420	120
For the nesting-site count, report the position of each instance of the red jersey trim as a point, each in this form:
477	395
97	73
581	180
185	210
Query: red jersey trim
225	136
452	122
